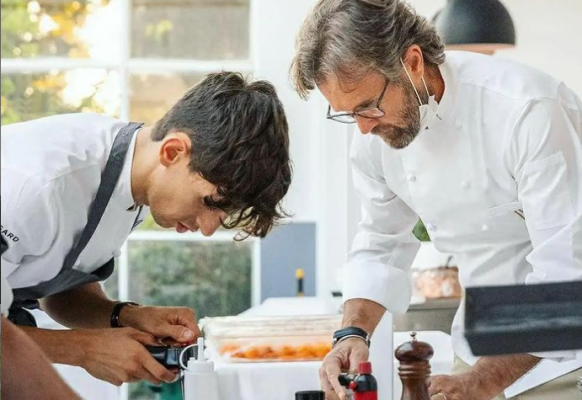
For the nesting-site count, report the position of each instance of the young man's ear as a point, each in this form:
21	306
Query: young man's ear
175	148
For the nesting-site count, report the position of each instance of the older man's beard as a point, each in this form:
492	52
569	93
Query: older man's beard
399	137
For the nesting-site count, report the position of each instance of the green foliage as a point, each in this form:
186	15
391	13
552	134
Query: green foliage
420	232
213	278
30	96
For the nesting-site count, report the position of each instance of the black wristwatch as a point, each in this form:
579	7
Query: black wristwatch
350	332
117	310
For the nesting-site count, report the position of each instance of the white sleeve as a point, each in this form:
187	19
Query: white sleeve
383	250
28	218
546	154
6	294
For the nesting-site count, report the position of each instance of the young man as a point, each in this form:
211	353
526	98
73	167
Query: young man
487	152
75	186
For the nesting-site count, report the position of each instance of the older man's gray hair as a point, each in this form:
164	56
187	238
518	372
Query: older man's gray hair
348	38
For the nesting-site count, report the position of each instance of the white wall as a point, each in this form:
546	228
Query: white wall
548	35
318	148
275	24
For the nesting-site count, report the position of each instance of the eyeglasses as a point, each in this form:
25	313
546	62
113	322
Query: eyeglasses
350	118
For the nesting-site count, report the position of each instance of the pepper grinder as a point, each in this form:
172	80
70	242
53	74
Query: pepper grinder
414	369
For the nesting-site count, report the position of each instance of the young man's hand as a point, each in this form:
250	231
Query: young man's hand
176	326
119	356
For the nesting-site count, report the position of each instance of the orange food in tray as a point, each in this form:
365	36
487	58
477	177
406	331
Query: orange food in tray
302	352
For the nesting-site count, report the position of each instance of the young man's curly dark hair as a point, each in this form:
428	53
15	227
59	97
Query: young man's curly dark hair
240	143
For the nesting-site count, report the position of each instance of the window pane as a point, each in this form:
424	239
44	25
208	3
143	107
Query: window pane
213	278
29	96
193	29
152	95
60	28
111	285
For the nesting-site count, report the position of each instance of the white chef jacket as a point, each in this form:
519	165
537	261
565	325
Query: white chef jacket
51	170
507	138
6	294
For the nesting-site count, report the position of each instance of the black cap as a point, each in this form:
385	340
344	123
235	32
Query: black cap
310	395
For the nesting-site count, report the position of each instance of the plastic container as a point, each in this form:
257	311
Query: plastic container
200	378
272	339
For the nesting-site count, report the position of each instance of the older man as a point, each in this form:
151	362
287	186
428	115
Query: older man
486	151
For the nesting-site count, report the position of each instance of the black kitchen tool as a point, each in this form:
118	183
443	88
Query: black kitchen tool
524	319
169	357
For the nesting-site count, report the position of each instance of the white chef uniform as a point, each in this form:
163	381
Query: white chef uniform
507	138
6	295
51	171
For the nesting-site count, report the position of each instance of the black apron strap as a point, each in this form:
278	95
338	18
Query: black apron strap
69	278
109	179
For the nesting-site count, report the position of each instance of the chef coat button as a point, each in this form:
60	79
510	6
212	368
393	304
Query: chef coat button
465	185
411	178
430	227
459	125
116	253
485	228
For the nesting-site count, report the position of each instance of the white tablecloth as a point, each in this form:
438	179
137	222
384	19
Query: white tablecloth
280	381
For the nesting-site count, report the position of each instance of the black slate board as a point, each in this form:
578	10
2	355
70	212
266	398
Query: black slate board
524	319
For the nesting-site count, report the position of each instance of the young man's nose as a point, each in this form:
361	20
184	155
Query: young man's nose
210	226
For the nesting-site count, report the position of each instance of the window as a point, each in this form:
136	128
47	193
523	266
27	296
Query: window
213	275
133	59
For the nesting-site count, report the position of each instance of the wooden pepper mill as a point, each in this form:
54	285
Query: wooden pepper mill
414	368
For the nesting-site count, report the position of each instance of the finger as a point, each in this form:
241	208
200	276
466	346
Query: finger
145	375
332	372
434	387
188	319
158	370
326	386
115	382
145	338
174	343
178	333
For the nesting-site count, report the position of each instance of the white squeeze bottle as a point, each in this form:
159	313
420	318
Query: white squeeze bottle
200	379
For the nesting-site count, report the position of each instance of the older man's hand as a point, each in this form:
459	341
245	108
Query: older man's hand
459	387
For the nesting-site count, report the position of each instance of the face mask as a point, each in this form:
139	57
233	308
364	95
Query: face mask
427	111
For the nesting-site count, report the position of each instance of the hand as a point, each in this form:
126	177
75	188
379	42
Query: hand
458	387
175	325
346	356
119	355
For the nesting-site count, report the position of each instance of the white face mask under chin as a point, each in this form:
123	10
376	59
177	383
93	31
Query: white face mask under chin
427	111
